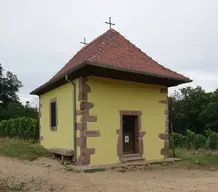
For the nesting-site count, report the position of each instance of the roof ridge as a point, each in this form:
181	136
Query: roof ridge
102	44
86	46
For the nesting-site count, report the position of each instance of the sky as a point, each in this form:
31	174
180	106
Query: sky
38	37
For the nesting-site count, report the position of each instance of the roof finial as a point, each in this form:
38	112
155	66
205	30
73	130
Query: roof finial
84	42
109	23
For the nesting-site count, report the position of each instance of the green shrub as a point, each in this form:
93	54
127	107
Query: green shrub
212	141
179	140
22	128
200	141
208	132
189	141
195	141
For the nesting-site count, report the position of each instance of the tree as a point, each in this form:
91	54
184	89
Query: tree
177	115
209	117
185	108
10	107
9	87
195	101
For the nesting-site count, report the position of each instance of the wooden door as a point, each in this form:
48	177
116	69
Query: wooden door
129	134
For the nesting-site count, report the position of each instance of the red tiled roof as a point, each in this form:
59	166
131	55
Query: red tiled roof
114	50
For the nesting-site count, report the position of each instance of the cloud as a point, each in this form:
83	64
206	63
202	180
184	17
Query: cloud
30	98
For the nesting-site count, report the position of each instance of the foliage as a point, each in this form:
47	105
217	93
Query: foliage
200	141
209	115
192	140
208	132
9	87
10	107
21	149
179	140
16	110
22	128
193	109
212	141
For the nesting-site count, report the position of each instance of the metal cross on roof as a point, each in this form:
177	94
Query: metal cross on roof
109	23
84	42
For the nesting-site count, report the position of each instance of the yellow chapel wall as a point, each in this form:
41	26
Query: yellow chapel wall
64	136
109	97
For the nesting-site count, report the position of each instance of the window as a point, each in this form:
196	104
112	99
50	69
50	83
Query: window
53	114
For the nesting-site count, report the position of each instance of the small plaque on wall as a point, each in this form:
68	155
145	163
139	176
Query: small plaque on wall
126	139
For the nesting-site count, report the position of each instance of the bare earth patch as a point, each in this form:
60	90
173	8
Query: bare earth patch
48	175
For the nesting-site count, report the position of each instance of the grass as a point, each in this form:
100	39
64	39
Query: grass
21	149
200	156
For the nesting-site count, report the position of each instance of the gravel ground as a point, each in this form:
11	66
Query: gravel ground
49	175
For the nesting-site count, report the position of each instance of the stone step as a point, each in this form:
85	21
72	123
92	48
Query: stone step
132	157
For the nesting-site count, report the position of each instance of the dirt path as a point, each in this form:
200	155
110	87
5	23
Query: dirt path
48	175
